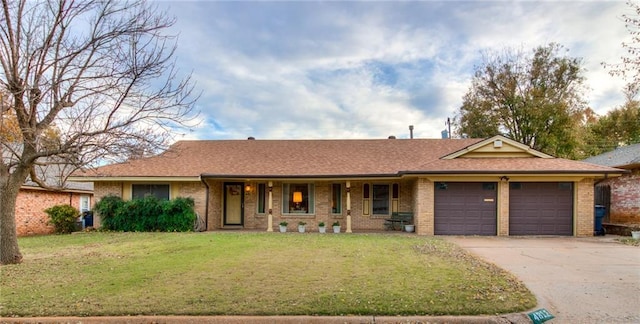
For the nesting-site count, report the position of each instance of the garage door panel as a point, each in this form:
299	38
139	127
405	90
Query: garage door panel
463	209
541	208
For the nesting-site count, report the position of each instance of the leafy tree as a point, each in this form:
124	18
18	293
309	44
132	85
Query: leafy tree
618	127
100	71
629	67
534	99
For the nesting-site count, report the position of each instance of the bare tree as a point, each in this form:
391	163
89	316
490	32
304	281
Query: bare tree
100	72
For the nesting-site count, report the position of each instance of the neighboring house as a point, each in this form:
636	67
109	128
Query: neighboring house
624	191
33	200
492	186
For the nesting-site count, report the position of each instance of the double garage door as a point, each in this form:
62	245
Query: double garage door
535	208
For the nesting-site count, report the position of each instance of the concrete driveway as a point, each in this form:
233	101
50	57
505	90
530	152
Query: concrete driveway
578	280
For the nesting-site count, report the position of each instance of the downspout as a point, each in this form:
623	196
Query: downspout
206	206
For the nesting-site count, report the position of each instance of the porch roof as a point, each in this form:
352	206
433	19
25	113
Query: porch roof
327	158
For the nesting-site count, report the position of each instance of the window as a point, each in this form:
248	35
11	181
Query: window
262	193
160	191
396	191
297	198
336	198
489	186
380	199
565	186
85	203
365	199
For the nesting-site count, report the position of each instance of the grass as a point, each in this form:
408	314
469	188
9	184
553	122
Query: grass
629	241
253	274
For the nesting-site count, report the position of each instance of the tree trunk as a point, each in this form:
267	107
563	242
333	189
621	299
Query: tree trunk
9	250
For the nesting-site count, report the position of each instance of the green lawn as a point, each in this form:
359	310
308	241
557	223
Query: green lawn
253	274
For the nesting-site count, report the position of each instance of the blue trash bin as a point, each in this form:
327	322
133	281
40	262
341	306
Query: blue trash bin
600	211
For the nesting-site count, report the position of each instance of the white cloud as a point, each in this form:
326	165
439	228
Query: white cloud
368	70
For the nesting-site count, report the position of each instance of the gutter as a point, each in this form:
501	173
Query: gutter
581	172
311	177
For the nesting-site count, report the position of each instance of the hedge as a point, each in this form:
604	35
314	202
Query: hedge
147	214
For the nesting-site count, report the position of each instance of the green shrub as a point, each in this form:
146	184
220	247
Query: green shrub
177	215
147	214
107	208
63	218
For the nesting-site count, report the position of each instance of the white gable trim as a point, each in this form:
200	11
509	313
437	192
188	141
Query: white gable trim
497	140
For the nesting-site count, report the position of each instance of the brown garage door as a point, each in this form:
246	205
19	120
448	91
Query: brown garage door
465	208
541	208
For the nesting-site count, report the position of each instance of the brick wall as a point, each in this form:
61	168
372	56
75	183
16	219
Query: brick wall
30	205
101	190
503	208
625	198
584	208
423	206
359	220
195	190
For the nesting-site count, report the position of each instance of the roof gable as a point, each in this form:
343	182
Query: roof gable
497	147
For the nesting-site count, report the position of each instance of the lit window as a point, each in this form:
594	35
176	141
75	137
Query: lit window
297	198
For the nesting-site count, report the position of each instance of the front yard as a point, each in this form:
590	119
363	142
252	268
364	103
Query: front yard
253	274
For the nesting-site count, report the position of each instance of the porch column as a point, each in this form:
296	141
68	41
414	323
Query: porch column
270	216
349	207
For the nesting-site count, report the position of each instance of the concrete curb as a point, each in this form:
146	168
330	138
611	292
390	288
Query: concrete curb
516	318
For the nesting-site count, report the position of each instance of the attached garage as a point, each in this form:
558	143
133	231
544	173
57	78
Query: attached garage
465	208
541	208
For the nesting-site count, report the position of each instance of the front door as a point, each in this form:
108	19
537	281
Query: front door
233	203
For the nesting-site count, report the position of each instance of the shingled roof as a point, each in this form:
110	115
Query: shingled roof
327	158
622	157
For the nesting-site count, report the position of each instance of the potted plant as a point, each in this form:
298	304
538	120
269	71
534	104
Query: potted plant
301	226
336	227
409	228
322	228
283	226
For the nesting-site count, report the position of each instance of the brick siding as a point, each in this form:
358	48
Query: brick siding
503	208
584	208
195	190
423	206
322	190
30	205
625	198
416	195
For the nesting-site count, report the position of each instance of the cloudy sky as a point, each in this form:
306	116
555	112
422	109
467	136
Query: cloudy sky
306	70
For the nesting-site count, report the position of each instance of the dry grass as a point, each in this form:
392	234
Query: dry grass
253	274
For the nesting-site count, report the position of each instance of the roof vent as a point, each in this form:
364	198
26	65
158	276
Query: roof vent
392	137
497	144
251	138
